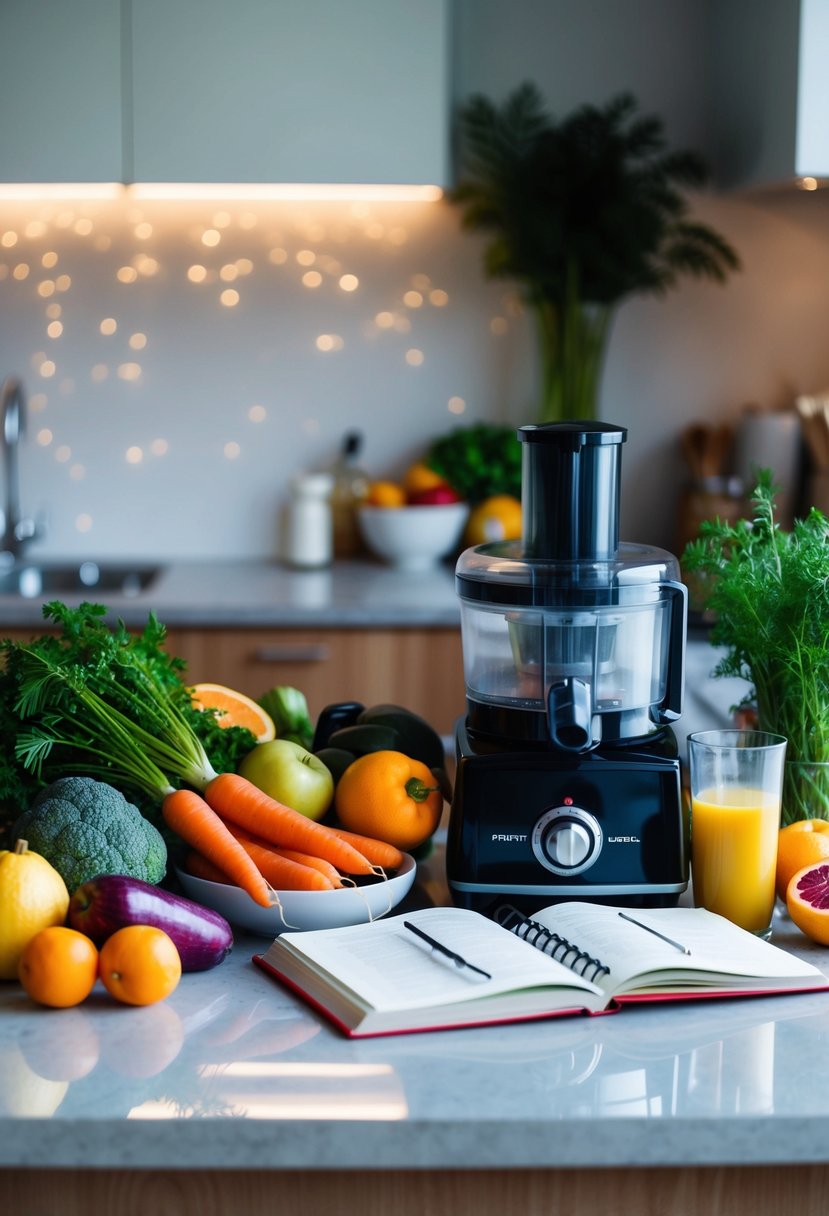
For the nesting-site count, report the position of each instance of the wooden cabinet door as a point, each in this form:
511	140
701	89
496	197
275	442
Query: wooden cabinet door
417	668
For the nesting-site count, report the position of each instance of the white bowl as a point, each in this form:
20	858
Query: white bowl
303	909
413	538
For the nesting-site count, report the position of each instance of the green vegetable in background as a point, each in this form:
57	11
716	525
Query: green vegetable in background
769	592
289	710
85	828
478	461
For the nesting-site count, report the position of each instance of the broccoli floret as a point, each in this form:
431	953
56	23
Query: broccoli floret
85	827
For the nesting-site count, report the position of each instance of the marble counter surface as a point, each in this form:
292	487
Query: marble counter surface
358	594
234	1072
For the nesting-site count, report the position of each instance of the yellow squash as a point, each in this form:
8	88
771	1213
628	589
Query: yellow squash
32	896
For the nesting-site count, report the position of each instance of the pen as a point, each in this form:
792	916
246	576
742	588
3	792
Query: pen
443	952
656	933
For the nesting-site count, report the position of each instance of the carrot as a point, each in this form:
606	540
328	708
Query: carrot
190	817
378	852
239	801
281	872
316	863
196	863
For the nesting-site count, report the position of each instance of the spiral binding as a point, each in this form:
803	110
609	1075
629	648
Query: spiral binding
554	944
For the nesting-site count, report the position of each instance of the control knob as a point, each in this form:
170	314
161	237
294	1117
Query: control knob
566	839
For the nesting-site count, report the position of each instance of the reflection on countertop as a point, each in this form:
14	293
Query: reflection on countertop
233	1071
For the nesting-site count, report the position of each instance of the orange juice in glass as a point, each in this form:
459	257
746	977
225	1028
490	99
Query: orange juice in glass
736	785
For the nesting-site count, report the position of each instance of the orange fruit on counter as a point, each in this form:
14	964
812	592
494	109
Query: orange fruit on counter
390	797
494	519
385	494
32	896
58	967
799	845
419	477
139	965
807	899
236	709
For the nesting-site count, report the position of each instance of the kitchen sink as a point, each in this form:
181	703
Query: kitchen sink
32	580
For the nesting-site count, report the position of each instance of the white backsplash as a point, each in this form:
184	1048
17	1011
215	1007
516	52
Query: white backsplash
175	435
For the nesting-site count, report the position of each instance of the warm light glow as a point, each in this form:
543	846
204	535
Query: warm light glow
143	231
257	413
197	274
138	341
313	191
83	226
83	523
134	455
232	450
46	190
413	299
230	298
108	325
384	320
8	239
456	405
306	257
129	371
47	369
54	329
438	298
414	357
211	237
311	278
127	274
329	342
49	260
159	447
63	282
46	288
44	437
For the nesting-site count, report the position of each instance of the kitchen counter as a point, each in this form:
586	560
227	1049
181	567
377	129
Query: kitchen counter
234	1074
353	594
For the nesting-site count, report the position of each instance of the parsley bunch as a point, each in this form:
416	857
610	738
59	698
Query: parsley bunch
769	592
101	701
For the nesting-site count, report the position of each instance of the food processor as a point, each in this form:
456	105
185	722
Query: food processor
568	778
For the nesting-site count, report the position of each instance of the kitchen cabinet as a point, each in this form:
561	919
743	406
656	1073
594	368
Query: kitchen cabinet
272	90
771	91
417	668
202	91
60	91
421	669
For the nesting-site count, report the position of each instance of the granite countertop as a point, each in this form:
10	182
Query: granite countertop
233	1071
352	594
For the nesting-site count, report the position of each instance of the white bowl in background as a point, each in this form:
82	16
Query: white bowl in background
413	538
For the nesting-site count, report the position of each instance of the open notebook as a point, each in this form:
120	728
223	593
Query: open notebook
438	968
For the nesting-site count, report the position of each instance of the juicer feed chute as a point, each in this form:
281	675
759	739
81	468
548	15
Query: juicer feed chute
573	647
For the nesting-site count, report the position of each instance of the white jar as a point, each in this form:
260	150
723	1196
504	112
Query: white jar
308	524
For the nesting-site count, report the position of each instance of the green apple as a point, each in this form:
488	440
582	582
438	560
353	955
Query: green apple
292	775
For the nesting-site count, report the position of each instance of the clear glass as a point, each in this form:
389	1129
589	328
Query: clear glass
736	793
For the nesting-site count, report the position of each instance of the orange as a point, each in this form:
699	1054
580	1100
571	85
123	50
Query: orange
391	797
236	709
59	966
798	845
139	965
385	494
807	899
494	519
420	477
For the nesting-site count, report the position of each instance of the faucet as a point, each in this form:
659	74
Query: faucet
18	531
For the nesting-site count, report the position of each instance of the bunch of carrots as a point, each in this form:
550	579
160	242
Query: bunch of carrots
239	834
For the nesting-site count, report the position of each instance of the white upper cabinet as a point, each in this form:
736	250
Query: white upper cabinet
60	91
342	91
290	91
770	114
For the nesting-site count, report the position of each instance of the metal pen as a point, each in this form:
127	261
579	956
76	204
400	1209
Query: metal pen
656	933
444	954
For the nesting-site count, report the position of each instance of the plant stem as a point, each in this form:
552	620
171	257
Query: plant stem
572	337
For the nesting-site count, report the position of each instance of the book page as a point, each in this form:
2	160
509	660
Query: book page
716	947
390	969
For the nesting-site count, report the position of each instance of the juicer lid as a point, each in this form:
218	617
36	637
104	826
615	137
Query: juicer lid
501	573
573	435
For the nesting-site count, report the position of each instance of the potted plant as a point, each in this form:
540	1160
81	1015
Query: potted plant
584	212
769	593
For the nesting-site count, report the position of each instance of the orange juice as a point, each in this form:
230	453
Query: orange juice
734	853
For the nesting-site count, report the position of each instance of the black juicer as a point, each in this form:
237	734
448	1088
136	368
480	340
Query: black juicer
568	781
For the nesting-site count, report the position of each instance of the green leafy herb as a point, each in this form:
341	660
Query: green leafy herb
769	592
479	461
101	701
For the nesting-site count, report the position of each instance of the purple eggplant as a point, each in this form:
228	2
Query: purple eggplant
108	902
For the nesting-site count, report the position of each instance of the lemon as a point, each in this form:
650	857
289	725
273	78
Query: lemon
33	896
494	519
